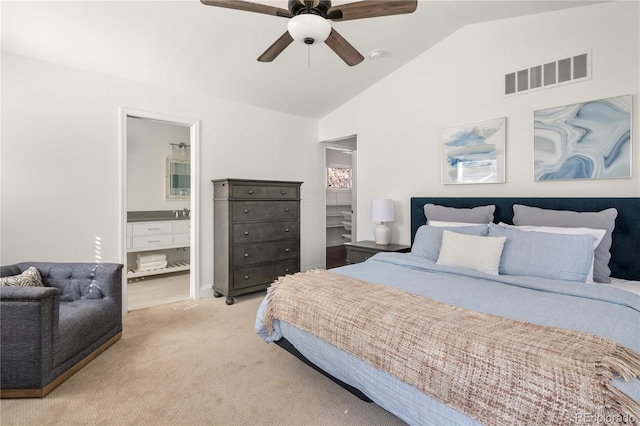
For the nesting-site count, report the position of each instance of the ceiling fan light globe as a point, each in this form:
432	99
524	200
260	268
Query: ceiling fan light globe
304	28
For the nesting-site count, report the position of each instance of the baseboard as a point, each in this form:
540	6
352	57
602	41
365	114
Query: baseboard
41	392
206	292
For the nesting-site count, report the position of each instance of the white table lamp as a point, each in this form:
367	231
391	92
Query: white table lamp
382	211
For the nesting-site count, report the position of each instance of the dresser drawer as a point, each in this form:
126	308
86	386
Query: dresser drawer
250	254
264	231
262	191
256	275
261	210
152	241
282	192
357	256
249	191
151	228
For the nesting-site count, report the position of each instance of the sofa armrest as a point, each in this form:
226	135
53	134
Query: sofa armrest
108	276
29	294
28	326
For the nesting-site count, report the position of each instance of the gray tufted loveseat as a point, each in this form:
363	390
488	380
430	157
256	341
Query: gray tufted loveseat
48	333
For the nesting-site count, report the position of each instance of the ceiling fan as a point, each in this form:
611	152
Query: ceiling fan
309	21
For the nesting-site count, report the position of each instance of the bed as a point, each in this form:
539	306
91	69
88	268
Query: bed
484	322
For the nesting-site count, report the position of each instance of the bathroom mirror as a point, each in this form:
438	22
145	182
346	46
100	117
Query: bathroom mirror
178	179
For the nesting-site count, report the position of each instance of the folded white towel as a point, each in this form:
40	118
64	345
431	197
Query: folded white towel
152	266
150	257
156	263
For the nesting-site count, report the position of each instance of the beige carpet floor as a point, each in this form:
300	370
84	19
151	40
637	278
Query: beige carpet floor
195	363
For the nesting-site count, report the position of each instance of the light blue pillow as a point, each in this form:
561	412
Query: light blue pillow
428	239
545	255
605	219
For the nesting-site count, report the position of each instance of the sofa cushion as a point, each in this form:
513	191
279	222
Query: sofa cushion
81	324
90	291
70	291
29	278
71	279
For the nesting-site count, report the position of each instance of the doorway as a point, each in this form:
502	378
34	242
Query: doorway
159	214
341	206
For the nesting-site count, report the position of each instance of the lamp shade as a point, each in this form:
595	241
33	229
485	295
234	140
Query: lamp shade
382	210
309	28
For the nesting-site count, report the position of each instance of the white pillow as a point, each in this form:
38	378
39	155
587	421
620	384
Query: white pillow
597	234
471	252
441	223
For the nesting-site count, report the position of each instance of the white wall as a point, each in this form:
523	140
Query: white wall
398	121
147	149
60	181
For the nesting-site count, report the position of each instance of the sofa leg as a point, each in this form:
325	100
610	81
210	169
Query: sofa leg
41	392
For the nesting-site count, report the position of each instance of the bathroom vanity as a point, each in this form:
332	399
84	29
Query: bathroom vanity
167	232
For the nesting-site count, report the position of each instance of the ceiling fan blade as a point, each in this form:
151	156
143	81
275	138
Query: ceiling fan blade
248	7
343	48
371	9
276	48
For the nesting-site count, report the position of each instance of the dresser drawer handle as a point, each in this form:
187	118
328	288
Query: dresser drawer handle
246	255
283	192
287	210
250	192
286	270
287	250
246	277
246	232
153	229
286	230
153	241
246	210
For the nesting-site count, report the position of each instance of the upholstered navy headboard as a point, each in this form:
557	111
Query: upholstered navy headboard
625	249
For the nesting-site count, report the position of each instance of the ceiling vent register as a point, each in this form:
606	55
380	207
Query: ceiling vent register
571	69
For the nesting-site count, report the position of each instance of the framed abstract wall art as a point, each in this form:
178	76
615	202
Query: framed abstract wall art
589	140
474	152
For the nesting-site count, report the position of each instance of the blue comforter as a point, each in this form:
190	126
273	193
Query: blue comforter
601	310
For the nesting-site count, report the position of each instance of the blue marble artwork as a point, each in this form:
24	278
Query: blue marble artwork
474	152
590	140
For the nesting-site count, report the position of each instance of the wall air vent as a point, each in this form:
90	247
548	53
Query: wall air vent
566	70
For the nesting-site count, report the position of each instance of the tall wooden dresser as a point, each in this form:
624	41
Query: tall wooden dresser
256	234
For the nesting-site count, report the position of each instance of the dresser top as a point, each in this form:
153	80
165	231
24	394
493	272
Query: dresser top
255	181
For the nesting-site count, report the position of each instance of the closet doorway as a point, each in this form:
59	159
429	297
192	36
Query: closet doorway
341	207
160	213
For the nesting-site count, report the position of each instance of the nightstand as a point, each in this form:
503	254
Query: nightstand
362	250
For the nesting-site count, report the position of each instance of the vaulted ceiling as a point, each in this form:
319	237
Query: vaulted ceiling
187	46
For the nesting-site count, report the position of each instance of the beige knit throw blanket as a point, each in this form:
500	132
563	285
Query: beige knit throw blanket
496	370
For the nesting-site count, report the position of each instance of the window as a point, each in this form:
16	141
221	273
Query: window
339	177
